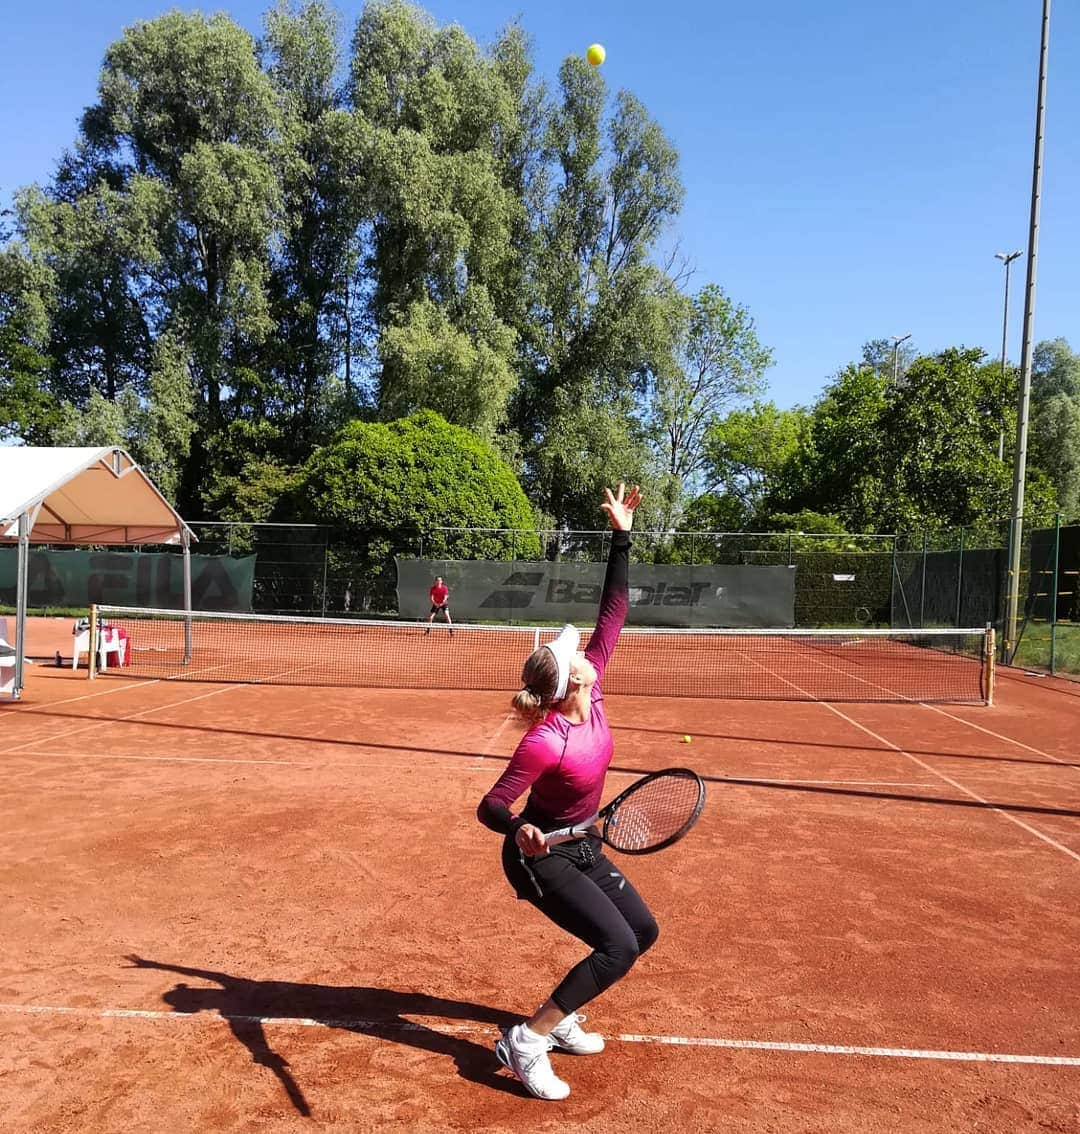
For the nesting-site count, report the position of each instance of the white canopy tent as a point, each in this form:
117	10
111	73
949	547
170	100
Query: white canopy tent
79	496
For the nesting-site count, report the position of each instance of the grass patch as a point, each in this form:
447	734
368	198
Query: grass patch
49	611
1034	650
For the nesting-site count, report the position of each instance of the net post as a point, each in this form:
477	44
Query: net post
91	653
989	662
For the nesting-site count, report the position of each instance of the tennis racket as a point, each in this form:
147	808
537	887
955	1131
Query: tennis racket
652	813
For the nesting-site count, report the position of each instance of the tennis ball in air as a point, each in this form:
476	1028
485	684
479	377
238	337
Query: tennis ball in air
596	54
686	740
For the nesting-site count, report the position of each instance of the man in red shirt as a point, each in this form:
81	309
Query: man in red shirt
440	595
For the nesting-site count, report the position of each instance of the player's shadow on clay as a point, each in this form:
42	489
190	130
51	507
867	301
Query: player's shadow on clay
248	1005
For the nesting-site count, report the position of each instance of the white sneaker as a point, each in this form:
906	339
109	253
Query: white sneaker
569	1036
526	1054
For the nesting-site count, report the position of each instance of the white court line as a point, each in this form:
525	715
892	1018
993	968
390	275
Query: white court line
848	783
362	1025
115	720
922	764
491	742
134	683
325	765
844	1049
953	717
182	759
1007	739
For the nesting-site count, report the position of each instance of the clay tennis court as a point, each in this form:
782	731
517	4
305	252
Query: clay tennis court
237	907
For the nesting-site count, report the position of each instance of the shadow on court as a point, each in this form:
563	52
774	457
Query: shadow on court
248	1005
471	754
837	745
719	778
903	797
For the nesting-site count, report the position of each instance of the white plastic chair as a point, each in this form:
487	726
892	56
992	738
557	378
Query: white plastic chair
7	662
7	670
109	642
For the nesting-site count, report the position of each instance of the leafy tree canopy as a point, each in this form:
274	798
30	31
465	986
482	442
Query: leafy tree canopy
388	483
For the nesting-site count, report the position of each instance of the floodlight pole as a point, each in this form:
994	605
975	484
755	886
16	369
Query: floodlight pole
1006	258
1016	520
897	340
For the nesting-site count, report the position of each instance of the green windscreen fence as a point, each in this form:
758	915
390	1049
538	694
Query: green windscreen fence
79	578
660	595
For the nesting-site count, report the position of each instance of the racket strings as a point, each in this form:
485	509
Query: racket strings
654	813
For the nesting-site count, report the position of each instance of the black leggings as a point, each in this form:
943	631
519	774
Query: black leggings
599	906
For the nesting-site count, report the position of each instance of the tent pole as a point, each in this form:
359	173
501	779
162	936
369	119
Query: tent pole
185	537
21	586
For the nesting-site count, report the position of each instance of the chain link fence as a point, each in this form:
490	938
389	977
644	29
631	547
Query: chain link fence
956	578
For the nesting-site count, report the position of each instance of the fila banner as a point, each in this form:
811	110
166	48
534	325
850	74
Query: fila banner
127	578
688	596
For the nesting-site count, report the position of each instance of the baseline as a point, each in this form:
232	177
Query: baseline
362	1025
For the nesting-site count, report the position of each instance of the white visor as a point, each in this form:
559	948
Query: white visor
563	650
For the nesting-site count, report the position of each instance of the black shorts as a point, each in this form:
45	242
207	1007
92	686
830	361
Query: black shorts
533	878
439	609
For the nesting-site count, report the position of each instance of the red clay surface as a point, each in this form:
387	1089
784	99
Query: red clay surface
240	908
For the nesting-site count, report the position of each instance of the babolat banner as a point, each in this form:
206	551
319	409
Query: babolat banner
701	595
125	578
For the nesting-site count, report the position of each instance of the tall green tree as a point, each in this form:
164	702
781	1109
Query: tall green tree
746	452
599	313
185	108
886	458
447	211
28	408
717	362
249	244
156	426
84	233
1055	421
323	155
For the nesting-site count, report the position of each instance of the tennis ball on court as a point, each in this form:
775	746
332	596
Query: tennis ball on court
686	740
596	54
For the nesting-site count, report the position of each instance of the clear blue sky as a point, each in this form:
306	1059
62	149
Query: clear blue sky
851	168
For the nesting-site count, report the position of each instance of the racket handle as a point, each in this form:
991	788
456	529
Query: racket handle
568	834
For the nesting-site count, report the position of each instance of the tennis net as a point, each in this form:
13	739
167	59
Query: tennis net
804	665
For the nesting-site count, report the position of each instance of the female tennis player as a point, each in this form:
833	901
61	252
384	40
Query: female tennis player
562	761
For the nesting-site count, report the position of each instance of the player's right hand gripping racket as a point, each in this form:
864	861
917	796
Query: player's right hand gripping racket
652	813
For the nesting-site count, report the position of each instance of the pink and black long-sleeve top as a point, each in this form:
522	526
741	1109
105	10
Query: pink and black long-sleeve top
560	764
